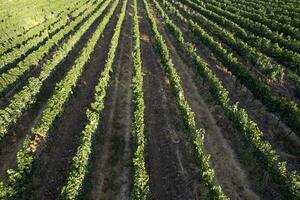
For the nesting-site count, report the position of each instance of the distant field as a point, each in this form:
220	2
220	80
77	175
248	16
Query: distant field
150	99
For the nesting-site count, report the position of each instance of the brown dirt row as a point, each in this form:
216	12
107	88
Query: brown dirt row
169	161
286	88
11	144
258	178
229	172
52	164
274	130
110	174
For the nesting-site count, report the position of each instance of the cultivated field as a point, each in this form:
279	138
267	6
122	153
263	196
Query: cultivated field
150	99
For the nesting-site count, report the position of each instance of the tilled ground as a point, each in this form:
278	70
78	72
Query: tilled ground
110	175
223	141
173	174
54	159
169	157
13	140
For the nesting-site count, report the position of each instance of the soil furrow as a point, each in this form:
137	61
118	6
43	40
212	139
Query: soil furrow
239	178
110	175
172	171
275	131
257	175
52	164
229	173
13	141
282	88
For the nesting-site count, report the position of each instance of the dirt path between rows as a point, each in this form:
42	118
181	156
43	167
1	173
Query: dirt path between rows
173	173
275	131
257	179
229	173
110	174
286	88
52	165
13	141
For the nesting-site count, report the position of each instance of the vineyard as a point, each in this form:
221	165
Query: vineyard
150	99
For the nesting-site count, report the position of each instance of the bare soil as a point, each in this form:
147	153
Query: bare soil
173	173
13	141
229	174
282	88
110	175
51	167
259	180
275	131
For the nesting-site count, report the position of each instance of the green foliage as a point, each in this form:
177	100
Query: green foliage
78	170
20	20
255	27
27	96
296	79
10	78
63	90
255	14
140	189
239	117
264	64
52	26
46	26
214	191
286	109
282	55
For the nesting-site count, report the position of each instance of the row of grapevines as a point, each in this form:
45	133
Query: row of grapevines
281	55
285	29
296	79
264	64
262	5
22	100
259	9
140	184
36	31
79	165
292	6
19	21
26	156
276	10
207	174
7	46
270	159
287	110
272	70
10	78
12	14
255	27
19	51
